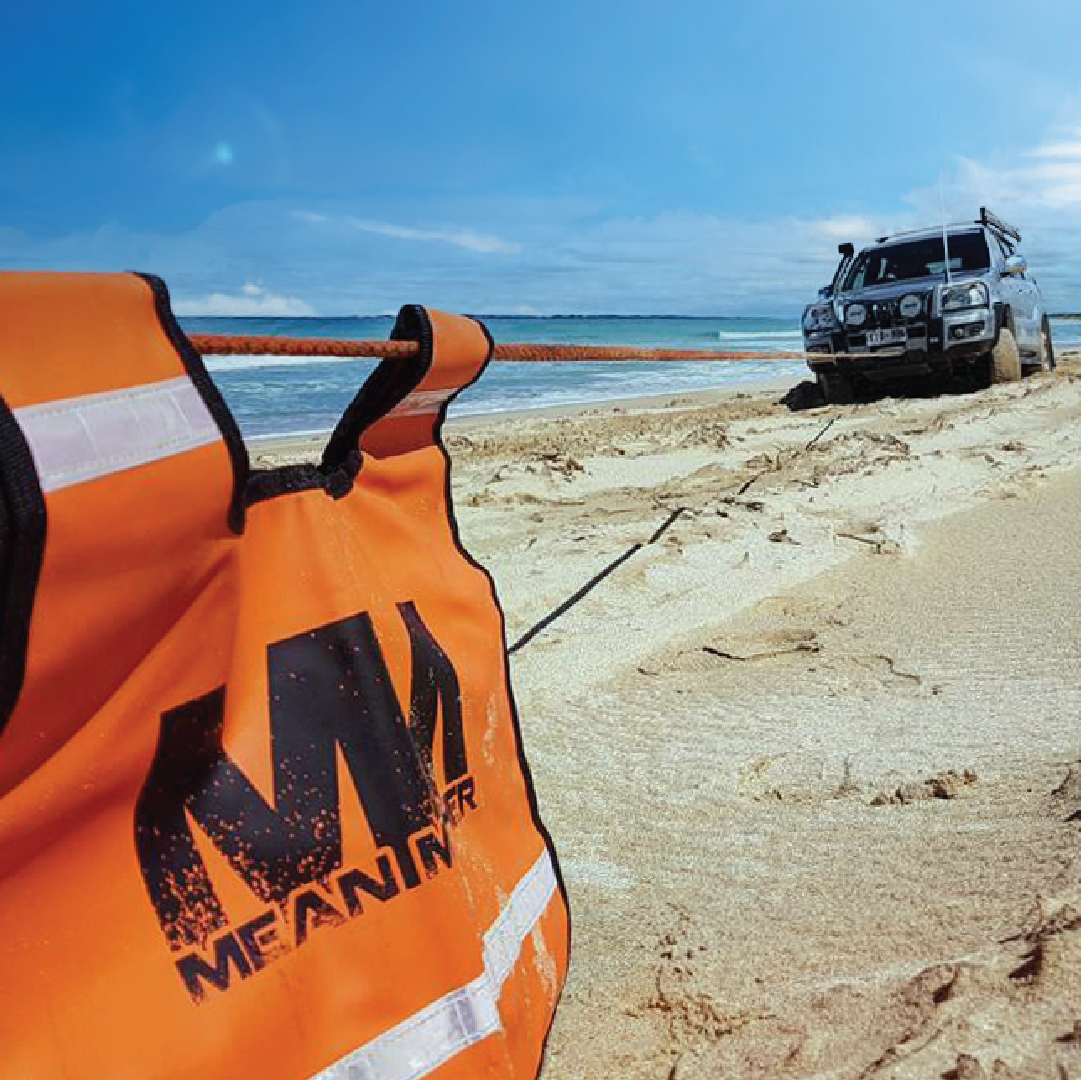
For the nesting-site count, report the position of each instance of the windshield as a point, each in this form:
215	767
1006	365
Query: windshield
918	258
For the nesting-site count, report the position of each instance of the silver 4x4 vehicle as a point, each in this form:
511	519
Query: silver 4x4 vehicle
950	300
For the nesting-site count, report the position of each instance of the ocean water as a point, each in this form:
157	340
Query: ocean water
279	395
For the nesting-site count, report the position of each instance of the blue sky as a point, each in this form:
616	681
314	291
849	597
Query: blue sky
643	157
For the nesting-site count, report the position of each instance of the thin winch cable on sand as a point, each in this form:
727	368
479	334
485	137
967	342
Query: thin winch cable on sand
593	582
616	563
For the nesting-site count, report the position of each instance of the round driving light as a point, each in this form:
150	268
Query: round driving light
855	315
911	306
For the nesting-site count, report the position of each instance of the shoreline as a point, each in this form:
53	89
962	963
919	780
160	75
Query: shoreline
297	447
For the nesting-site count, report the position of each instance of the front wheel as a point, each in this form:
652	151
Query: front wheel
836	389
1005	358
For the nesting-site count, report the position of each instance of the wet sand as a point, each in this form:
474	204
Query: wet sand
810	751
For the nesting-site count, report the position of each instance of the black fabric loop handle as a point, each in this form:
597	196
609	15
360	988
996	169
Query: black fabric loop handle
22	550
211	395
389	385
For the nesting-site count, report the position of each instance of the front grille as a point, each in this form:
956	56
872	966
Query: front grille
883	314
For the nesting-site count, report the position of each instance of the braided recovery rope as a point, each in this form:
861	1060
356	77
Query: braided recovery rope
231	345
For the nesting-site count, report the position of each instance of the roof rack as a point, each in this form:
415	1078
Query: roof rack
937	229
986	219
998	225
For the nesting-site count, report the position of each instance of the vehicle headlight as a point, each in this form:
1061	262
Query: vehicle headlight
855	314
818	317
957	297
911	305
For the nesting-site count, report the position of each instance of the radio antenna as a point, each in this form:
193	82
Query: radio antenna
945	233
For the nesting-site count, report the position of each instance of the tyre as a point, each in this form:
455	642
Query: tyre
1005	358
1047	349
836	389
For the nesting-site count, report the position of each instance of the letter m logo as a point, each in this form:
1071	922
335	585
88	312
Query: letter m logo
330	691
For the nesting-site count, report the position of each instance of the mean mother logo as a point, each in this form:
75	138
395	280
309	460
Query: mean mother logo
330	694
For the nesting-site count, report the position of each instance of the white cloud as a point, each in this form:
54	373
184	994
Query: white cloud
568	258
564	255
1027	181
1037	189
1056	150
252	302
842	227
682	262
463	238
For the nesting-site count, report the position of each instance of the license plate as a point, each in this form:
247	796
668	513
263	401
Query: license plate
887	337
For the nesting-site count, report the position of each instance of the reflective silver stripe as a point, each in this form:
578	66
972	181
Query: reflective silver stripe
83	438
465	1016
421	402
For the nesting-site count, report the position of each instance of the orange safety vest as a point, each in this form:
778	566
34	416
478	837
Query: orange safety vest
264	810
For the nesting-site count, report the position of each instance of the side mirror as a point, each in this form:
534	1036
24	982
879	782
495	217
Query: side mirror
1015	266
825	293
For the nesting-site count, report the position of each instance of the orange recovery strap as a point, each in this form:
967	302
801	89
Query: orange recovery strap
522	352
264	807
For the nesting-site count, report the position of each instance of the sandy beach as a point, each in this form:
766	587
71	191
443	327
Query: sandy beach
810	748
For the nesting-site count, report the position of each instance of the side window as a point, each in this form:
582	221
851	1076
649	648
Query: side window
998	253
857	276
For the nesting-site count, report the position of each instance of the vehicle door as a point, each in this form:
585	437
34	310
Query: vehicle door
1028	300
1036	311
1019	291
